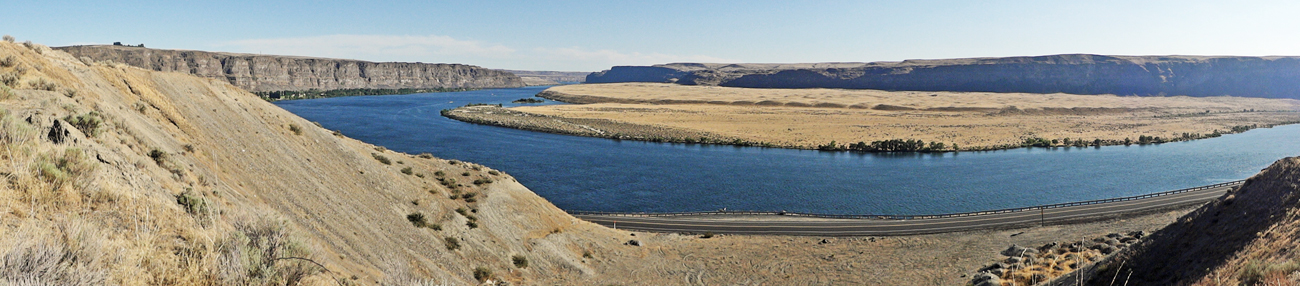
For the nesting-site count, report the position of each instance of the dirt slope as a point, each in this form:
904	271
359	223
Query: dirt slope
248	161
1248	237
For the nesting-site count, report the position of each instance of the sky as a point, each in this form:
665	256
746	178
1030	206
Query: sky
596	35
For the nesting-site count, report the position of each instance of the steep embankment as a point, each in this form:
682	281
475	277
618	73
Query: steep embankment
291	73
1272	77
1248	237
141	177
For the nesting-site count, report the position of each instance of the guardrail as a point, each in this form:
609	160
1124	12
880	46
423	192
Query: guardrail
905	217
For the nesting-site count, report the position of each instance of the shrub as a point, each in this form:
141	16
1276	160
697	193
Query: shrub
8	61
72	166
380	148
453	162
471	224
158	156
462	211
192	203
494	173
14	131
72	255
262	253
381	159
587	254
417	219
465	174
296	130
6	92
71	92
9	38
88	123
434	226
407	171
482	181
421	175
10	79
337	133
425	156
439	173
707	235
41	83
520	261
452	243
1257	273
482	273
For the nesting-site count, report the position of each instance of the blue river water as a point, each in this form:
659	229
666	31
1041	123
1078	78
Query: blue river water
593	174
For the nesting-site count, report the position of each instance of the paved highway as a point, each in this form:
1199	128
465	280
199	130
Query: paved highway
756	224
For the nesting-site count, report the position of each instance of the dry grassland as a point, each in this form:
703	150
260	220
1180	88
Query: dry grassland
806	118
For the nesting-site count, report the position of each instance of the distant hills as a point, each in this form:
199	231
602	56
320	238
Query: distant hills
550	77
1273	77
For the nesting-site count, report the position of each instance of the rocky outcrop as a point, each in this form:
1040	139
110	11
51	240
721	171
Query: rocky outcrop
1273	77
290	73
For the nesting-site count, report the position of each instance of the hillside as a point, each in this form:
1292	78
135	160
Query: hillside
1271	77
262	73
1247	237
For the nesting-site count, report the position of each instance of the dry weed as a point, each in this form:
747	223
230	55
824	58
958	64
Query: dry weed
261	252
71	257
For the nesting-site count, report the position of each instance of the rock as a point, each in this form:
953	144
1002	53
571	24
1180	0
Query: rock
1138	234
1109	250
991	267
986	279
1016	250
824	241
1049	246
283	73
1012	260
632	243
63	132
1113	241
1114	235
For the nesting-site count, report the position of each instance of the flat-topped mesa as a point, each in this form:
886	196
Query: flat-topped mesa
264	73
1272	77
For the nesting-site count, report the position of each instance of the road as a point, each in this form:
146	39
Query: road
757	224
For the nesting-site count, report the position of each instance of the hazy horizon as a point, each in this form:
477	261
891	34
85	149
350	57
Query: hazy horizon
593	36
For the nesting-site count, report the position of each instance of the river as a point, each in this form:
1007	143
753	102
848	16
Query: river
593	174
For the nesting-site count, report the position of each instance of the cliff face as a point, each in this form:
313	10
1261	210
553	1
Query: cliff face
1274	77
284	73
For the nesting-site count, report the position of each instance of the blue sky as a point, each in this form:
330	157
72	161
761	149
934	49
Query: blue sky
595	35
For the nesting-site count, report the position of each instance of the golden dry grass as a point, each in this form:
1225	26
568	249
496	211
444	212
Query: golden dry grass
805	118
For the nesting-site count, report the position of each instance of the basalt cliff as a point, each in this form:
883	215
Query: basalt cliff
1273	77
260	73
